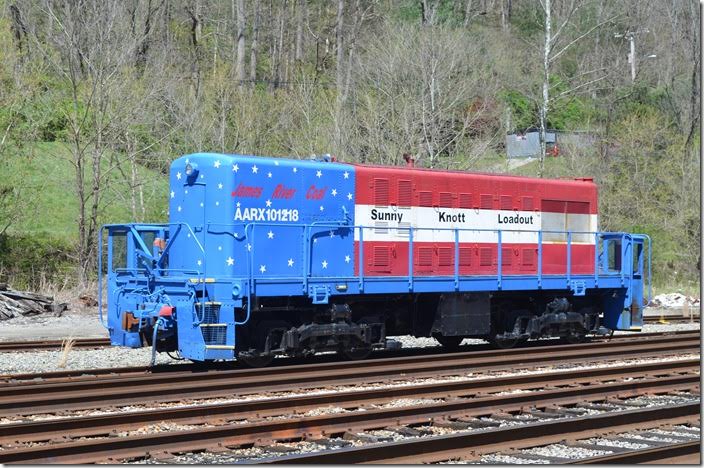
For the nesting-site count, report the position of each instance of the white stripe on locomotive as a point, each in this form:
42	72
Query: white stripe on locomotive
384	223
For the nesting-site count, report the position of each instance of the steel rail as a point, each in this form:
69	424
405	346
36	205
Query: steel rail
17	346
264	432
92	450
27	399
677	453
44	430
331	360
446	447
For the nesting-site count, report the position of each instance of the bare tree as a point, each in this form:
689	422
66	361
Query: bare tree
255	43
550	53
240	39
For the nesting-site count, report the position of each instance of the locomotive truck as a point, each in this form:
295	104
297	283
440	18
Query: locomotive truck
266	257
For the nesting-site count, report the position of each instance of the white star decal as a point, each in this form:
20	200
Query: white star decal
173	194
217	164
188	235
318	174
276	163
268	203
237	235
186	191
230	261
346	175
269	175
178	176
249	247
347	259
188	160
349	196
217	203
202	176
322	208
290	262
199	263
178	209
220	185
238	204
325	264
270	235
315	240
262	268
332	234
201	204
219	247
295	170
334	192
235	168
255	169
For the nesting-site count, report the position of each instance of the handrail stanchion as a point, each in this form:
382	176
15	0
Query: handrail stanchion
499	261
569	257
540	259
596	259
410	258
457	259
307	253
361	258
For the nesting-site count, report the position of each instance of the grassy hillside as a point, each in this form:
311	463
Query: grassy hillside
46	177
39	245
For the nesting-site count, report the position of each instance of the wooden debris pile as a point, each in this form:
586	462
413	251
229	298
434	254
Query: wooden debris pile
20	303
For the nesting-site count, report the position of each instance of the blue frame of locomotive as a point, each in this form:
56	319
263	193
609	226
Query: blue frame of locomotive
203	271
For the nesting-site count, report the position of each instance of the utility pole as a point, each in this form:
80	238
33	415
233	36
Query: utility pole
631	36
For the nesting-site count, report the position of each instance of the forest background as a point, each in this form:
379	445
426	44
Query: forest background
98	97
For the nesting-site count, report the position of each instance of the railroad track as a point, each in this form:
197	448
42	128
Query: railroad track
15	346
31	397
566	396
470	445
113	372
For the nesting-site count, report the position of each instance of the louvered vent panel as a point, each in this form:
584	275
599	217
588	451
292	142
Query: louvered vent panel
446	199
486	202
506	257
405	193
485	256
425	256
381	256
381	192
425	198
465	200
527	203
465	256
528	257
445	256
506	202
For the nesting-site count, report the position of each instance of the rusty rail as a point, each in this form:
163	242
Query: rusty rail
85	394
414	450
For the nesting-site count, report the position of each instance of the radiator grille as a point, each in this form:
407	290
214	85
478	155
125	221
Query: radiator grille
213	332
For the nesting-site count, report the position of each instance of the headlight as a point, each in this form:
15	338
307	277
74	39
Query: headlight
191	170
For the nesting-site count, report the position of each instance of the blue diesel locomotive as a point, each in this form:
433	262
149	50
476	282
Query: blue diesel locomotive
270	256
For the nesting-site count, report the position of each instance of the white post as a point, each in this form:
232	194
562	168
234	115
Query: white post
632	57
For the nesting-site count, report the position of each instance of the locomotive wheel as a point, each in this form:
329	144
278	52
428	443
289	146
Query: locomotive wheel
356	354
575	338
507	343
449	342
255	361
